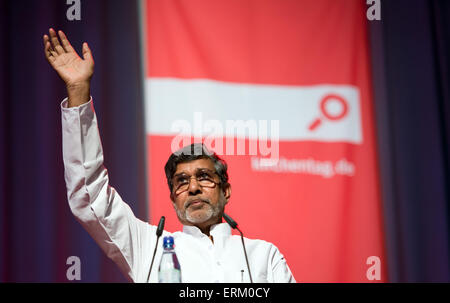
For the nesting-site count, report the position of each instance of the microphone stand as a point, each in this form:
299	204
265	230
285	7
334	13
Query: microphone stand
159	231
234	225
245	253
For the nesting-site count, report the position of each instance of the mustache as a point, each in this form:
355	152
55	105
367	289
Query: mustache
189	202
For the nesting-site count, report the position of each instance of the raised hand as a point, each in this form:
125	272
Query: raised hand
76	72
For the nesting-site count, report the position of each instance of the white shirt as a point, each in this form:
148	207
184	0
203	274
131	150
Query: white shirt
130	242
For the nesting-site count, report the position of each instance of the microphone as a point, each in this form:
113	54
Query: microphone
160	228
234	225
159	231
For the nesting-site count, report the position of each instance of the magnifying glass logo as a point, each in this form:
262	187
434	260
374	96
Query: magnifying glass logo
326	112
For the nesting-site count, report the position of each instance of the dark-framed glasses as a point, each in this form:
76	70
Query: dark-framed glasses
204	177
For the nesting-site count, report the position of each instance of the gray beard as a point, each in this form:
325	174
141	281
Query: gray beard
211	212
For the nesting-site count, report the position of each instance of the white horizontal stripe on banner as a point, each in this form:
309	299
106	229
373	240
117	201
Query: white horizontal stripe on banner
329	113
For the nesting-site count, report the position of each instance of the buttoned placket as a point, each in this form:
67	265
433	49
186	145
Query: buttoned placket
219	250
213	248
214	255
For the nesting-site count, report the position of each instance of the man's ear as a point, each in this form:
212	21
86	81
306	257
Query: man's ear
227	191
172	198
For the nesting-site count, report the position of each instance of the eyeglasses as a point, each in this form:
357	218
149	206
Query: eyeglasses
204	177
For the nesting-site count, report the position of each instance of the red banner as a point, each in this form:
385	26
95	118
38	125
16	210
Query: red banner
282	91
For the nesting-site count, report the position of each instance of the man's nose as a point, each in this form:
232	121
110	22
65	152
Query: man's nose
194	187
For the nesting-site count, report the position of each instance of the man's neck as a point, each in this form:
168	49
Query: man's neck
206	227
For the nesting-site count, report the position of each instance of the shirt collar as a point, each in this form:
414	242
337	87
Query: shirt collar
217	230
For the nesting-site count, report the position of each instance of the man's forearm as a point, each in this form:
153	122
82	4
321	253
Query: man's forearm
78	94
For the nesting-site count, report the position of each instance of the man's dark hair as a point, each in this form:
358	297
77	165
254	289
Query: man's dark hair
194	152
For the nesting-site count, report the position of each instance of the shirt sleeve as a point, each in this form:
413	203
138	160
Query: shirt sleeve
280	270
94	203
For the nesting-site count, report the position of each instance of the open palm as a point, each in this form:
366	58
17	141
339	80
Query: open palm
72	69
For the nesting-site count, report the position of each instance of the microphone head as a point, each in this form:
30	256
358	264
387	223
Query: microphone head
160	228
230	221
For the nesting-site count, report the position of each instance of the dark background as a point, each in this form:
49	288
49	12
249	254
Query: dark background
410	49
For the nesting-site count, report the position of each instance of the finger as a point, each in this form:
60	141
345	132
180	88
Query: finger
87	54
47	47
48	53
52	51
55	42
45	39
65	42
